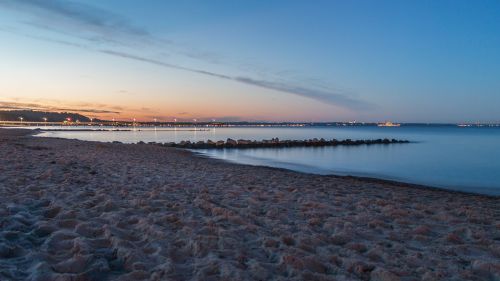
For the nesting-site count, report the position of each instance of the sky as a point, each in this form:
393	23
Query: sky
260	60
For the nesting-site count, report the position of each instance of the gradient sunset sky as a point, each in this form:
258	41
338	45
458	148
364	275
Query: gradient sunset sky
404	61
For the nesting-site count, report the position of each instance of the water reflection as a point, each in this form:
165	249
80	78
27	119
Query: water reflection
451	157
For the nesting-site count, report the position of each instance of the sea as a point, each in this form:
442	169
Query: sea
450	157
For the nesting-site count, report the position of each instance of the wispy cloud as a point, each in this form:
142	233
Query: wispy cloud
164	64
92	23
108	33
328	97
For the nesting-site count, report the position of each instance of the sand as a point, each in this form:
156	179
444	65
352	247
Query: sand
74	210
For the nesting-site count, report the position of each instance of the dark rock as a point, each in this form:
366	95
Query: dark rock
275	142
231	143
169	144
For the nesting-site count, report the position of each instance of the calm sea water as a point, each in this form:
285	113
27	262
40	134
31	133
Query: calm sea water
466	159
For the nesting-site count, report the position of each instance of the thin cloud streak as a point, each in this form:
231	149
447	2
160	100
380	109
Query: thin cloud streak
320	95
97	26
76	15
331	98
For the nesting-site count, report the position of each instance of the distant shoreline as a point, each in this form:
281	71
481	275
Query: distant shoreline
126	124
117	130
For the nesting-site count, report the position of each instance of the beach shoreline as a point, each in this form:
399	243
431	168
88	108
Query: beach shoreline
369	178
107	211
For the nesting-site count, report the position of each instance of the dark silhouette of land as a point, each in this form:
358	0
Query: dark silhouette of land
38	116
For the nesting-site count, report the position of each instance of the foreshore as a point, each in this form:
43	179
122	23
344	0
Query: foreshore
76	210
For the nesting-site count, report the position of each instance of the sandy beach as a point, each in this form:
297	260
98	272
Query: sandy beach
75	210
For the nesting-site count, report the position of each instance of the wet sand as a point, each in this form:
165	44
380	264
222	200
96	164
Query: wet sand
75	210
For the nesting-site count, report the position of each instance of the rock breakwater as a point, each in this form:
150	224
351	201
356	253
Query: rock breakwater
275	143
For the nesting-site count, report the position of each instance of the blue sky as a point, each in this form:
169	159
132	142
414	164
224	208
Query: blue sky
405	61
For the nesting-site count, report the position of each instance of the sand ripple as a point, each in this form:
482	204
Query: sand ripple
89	211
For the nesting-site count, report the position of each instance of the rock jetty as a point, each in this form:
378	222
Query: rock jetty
275	143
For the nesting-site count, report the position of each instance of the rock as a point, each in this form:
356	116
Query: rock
185	144
231	143
276	142
244	142
199	144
